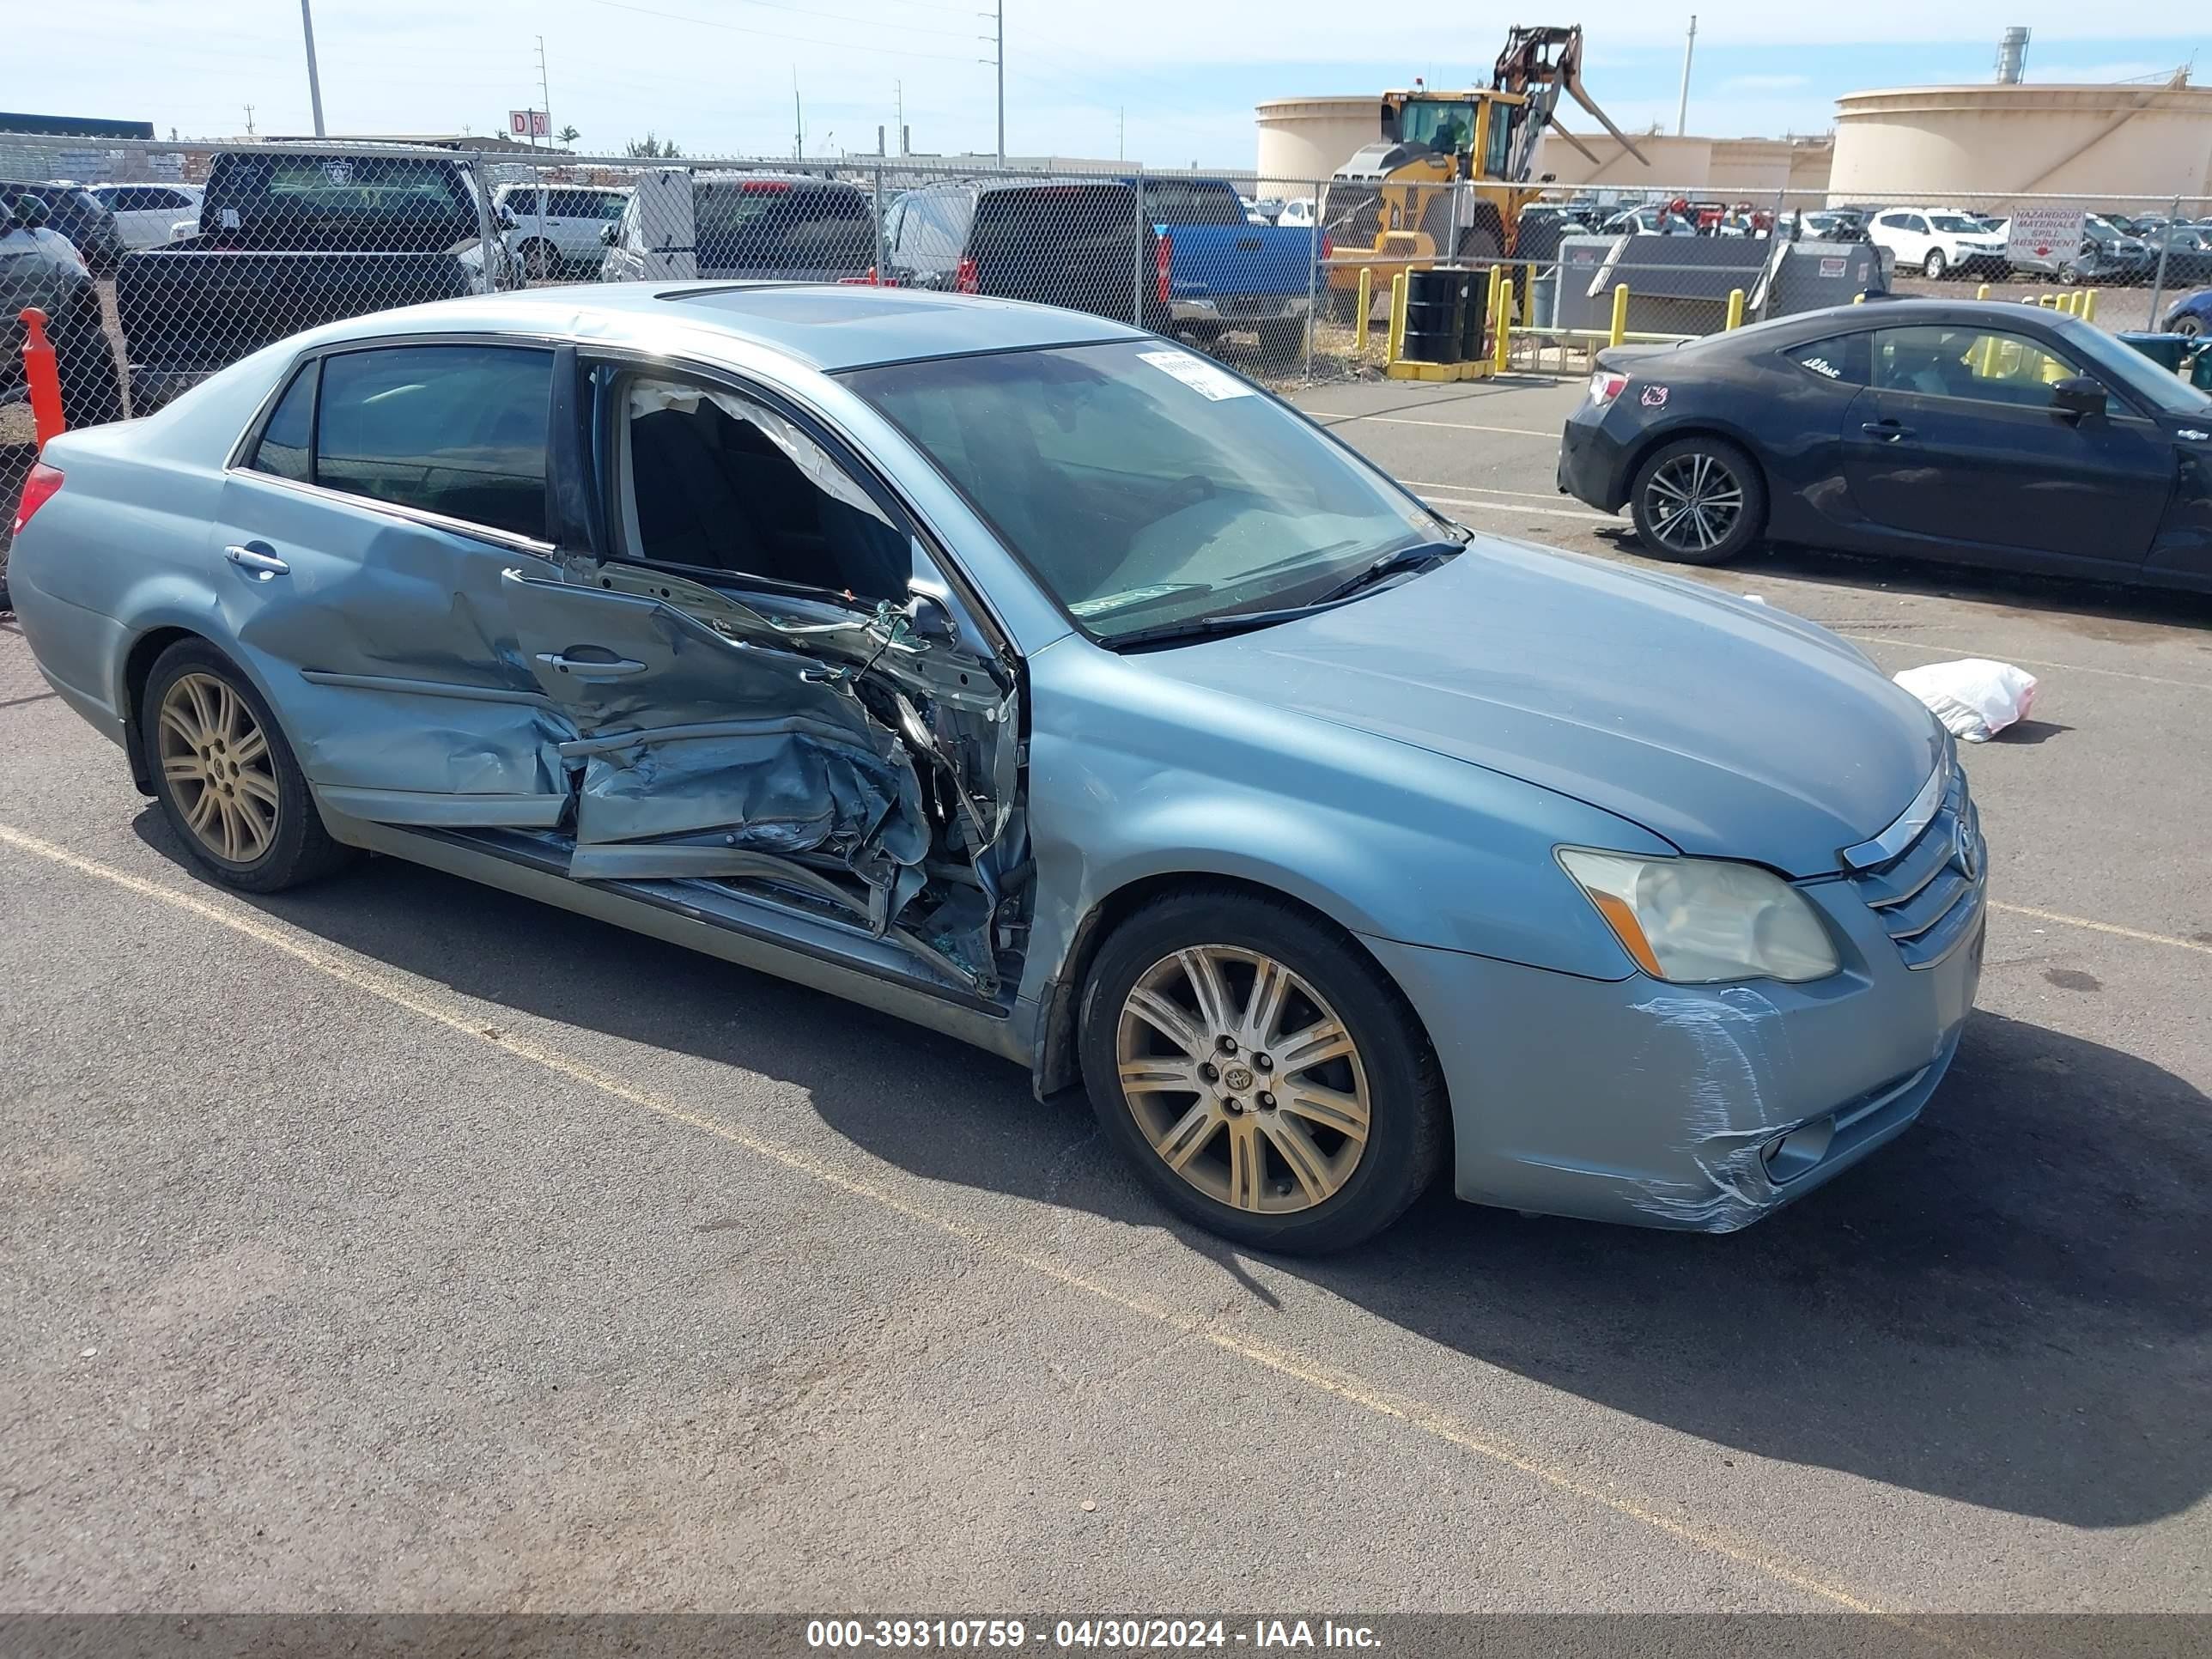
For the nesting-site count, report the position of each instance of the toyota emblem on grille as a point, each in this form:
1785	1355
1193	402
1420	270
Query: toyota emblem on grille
1962	849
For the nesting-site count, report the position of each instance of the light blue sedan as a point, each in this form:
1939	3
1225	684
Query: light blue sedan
1036	679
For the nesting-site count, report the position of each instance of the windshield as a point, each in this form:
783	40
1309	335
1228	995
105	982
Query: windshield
2120	365
1143	484
1956	226
1442	125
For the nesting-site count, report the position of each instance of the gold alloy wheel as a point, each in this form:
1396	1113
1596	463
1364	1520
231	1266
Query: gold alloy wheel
1243	1078
215	757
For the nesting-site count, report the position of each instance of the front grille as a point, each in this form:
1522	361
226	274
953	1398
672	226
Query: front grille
1929	895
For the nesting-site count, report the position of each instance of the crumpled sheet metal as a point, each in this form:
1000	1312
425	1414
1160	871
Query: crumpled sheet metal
1727	1115
398	740
775	787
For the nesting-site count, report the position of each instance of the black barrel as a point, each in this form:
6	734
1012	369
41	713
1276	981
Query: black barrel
1435	300
1474	320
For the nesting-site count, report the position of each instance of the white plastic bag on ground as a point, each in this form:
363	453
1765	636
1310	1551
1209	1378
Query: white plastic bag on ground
1974	698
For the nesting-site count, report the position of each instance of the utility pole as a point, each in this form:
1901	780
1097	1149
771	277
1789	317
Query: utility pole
798	120
898	97
1120	132
998	59
314	84
545	98
249	120
1690	51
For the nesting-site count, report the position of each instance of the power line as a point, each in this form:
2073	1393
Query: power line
848	17
773	34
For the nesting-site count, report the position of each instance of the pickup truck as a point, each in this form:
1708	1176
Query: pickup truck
288	240
1222	272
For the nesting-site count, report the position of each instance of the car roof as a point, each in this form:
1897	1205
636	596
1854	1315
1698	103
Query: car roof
827	326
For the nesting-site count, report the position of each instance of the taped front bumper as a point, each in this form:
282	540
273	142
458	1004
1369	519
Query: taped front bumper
1692	1106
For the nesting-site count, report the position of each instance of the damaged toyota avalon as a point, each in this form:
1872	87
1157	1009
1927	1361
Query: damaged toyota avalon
1012	671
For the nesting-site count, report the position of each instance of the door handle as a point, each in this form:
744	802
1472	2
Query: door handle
259	560
1887	429
584	669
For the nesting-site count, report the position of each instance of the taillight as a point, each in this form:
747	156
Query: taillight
968	279
1328	248
1164	269
1606	385
41	487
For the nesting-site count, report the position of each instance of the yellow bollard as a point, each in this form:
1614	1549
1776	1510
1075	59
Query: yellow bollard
1394	346
2088	305
1504	343
1366	305
1734	312
1982	292
1620	312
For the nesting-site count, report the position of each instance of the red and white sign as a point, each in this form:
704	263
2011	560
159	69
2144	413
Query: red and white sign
2040	232
529	124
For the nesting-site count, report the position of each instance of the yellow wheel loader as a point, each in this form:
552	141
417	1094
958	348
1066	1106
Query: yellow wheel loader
1448	179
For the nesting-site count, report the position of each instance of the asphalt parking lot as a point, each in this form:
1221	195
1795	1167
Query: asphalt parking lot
398	1244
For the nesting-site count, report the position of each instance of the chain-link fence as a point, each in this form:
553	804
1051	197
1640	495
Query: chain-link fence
163	263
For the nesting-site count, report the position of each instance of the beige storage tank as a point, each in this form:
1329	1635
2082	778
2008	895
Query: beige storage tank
1306	139
1971	143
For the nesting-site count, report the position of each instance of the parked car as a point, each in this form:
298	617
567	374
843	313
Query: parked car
1082	245
787	227
2104	257
556	230
39	269
147	216
1028	675
2192	316
1977	432
291	238
1224	274
2181	254
1298	214
1939	242
1651	222
75	214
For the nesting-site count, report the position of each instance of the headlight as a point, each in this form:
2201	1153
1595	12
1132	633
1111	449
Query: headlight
1697	922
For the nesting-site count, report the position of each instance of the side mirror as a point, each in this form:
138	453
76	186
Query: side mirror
506	218
931	619
607	234
2079	395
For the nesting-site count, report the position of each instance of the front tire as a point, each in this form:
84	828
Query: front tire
1698	500
1935	265
2188	327
1268	1082
227	780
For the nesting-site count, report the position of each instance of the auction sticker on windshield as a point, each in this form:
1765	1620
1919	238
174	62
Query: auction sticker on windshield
1198	374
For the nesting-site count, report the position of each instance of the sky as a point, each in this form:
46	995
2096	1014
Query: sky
1168	84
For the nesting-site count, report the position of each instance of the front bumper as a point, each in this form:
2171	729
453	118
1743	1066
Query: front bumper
1692	1106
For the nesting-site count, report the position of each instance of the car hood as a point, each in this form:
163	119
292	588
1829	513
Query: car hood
1731	730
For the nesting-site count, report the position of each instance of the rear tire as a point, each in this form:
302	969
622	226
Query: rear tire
1252	1153
228	781
2188	327
1698	499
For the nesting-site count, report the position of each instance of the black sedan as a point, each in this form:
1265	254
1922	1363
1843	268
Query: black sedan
1974	431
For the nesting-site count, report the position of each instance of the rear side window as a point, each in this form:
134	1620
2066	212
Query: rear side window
287	445
458	430
1840	357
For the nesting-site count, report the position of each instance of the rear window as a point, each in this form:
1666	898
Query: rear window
303	188
286	449
1839	357
1183	202
768	224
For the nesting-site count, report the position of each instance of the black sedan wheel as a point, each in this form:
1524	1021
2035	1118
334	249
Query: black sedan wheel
1698	500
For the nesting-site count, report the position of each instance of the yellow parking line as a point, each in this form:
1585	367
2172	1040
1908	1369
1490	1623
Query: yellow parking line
1347	1386
2113	928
